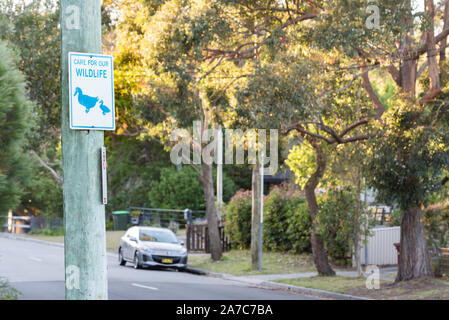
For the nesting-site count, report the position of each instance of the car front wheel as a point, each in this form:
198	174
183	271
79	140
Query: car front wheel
120	257
136	261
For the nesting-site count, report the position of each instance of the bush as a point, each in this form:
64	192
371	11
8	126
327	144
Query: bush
436	222
238	219
182	189
287	223
7	292
336	222
177	190
300	227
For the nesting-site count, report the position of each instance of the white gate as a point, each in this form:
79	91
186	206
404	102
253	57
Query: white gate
379	249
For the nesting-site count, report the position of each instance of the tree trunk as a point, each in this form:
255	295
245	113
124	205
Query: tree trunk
408	76
255	218
211	211
358	209
443	42
414	260
318	250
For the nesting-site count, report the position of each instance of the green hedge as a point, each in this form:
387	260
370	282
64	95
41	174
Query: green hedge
336	222
287	224
238	219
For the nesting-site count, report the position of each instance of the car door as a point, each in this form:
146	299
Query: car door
127	254
132	244
124	245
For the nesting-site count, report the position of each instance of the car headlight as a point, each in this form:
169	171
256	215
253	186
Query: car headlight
145	249
183	251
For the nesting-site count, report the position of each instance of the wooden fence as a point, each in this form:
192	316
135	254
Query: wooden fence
444	260
198	238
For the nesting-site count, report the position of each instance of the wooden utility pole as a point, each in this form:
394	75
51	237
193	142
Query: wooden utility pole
256	216
84	213
220	171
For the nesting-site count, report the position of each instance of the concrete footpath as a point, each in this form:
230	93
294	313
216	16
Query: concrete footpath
267	281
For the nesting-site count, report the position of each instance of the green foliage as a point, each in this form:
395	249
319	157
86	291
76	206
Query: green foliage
182	189
177	190
15	110
436	222
134	169
109	225
43	194
33	31
302	162
287	223
342	26
238	219
336	222
7	292
407	162
278	91
48	232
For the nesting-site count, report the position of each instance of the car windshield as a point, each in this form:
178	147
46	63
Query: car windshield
157	236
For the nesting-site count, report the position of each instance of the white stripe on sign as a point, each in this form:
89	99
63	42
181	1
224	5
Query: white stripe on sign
145	287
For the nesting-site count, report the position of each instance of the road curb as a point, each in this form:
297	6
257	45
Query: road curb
48	243
203	272
310	291
278	286
16	237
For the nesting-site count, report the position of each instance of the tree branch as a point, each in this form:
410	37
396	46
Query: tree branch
53	173
380	108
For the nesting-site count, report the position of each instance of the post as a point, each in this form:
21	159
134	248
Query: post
84	212
261	174
256	231
220	171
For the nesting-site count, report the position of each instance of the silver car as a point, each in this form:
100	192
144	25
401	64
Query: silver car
147	246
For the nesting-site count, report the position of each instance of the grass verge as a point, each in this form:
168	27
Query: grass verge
112	239
418	289
238	262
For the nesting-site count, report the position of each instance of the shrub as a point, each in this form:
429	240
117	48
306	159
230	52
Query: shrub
436	222
182	189
336	222
300	227
7	292
177	190
238	219
287	223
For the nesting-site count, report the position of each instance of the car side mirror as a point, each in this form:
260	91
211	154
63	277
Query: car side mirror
181	242
132	239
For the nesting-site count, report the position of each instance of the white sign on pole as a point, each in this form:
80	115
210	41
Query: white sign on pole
91	89
104	175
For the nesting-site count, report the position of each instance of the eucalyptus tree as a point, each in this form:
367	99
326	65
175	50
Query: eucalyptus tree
407	45
298	92
178	82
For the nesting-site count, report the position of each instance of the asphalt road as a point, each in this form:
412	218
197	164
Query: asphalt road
37	271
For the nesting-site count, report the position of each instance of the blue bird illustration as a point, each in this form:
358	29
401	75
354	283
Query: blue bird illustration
86	101
104	108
